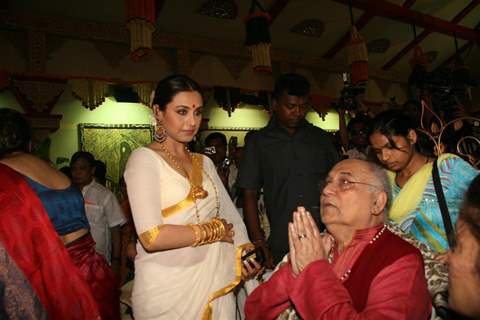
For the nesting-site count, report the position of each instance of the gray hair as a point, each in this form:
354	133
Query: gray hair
382	182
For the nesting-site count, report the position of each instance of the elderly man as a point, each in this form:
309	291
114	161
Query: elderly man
358	270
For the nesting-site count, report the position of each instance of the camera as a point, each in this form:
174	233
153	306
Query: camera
348	95
209	151
225	163
256	254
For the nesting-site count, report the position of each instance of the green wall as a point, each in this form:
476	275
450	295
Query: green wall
65	139
64	142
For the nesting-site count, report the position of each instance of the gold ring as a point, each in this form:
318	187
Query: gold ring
301	236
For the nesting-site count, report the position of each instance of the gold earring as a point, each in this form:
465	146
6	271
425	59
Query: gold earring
160	133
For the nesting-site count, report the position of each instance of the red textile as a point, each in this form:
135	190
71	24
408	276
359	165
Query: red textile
98	275
370	264
31	241
396	285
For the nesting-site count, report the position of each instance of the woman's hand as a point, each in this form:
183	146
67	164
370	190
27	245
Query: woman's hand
229	232
306	243
250	269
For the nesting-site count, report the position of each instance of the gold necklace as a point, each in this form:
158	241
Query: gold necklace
198	192
176	165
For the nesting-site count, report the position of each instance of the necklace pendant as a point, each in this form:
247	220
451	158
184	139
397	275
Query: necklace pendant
199	192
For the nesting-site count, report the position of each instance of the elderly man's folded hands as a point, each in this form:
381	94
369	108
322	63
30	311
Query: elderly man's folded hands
306	242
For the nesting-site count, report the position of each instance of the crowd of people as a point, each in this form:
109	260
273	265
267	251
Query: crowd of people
379	226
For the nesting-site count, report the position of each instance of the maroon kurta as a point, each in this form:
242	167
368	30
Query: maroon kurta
387	281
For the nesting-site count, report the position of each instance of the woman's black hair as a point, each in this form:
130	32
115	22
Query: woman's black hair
168	87
15	132
395	123
83	155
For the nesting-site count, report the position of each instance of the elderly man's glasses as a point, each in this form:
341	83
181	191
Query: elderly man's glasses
344	184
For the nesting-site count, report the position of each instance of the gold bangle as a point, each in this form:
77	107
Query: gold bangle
221	228
211	234
206	234
197	232
217	231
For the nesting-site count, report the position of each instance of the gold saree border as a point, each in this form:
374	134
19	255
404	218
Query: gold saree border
208	311
197	180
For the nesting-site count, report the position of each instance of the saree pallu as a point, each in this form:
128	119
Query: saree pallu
33	248
93	267
415	207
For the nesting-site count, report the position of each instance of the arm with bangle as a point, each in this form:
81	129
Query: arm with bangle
169	236
143	175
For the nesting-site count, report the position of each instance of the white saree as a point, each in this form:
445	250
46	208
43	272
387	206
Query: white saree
177	284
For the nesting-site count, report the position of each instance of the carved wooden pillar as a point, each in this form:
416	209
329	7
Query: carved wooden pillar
37	51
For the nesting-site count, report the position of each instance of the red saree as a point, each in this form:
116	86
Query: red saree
99	276
31	241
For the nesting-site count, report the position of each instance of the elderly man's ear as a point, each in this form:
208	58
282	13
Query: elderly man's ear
379	203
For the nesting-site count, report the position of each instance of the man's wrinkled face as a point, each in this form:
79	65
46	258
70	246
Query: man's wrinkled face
348	195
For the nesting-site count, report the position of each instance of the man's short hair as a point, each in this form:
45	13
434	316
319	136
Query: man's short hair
366	121
381	180
292	84
216	135
83	155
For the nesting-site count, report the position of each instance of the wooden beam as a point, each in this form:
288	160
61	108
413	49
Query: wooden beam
398	13
359	24
276	8
425	33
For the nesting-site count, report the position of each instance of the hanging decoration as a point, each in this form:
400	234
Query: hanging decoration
257	26
357	54
90	92
141	24
419	65
37	95
144	92
461	77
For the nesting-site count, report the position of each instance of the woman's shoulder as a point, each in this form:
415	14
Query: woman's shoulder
452	164
144	156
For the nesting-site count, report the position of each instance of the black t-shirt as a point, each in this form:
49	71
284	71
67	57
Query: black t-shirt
290	169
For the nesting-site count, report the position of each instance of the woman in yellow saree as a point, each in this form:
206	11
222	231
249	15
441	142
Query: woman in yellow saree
415	207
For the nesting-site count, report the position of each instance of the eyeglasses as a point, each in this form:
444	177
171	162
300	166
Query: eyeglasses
344	184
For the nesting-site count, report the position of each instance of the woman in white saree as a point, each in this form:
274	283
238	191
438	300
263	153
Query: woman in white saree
191	236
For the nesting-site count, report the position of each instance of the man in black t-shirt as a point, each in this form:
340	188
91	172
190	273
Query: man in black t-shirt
289	159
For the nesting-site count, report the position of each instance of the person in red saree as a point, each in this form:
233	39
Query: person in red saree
63	203
38	278
358	269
